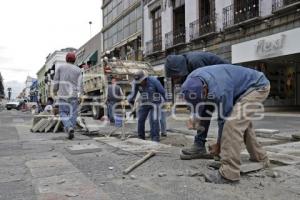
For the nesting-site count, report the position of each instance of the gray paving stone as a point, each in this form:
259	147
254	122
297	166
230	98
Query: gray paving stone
292	146
50	167
9	173
283	159
293	170
75	187
83	148
251	167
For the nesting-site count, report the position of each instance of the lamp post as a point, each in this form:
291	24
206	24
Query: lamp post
90	23
9	93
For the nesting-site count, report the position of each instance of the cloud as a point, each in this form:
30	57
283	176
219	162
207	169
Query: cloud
11	69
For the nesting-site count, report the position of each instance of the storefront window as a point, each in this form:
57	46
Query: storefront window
283	83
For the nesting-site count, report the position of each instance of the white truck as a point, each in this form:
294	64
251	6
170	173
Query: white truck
97	78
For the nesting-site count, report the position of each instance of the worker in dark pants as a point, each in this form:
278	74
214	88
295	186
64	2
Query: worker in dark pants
178	67
236	99
151	94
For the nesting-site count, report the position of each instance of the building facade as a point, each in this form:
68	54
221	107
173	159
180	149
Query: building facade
2	90
90	52
122	28
260	34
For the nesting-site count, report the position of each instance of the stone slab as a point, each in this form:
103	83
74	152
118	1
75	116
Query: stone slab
12	173
267	141
83	148
133	144
283	159
50	167
38	125
50	125
292	146
251	167
75	187
57	126
293	170
267	133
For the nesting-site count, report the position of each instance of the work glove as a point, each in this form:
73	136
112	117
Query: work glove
215	149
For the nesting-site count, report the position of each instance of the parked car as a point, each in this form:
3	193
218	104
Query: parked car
14	104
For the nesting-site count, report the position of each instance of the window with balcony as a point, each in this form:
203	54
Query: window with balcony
206	23
178	35
156	43
240	11
281	4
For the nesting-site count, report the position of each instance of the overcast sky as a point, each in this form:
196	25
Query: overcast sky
31	29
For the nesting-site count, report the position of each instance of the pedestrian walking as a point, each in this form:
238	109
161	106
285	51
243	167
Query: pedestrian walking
236	92
68	86
178	67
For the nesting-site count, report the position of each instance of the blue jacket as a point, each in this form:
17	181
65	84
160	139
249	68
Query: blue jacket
152	93
226	84
186	63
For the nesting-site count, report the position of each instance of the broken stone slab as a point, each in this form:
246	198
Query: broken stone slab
251	167
268	133
83	148
283	159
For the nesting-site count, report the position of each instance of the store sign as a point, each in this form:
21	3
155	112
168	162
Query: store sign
268	47
281	44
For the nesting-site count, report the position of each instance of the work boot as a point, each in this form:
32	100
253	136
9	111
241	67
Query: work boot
71	133
216	178
163	134
195	152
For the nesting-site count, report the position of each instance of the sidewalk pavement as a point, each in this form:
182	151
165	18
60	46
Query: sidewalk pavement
47	166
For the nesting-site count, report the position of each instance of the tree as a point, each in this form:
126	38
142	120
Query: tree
2	94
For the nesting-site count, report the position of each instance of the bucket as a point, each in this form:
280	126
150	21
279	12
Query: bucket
118	120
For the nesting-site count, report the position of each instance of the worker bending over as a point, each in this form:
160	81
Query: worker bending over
236	92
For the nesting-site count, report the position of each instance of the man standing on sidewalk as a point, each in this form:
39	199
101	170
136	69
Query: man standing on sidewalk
151	94
178	67
237	92
68	86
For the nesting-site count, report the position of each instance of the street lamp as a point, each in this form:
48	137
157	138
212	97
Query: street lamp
90	23
9	93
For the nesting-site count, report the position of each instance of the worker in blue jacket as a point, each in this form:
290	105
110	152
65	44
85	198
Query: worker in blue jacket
236	92
151	94
178	67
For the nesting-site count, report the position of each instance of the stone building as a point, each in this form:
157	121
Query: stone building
262	34
90	52
122	28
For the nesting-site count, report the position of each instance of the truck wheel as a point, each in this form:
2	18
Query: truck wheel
96	112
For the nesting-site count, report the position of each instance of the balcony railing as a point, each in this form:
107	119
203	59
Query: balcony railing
235	14
202	26
175	37
279	4
153	46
